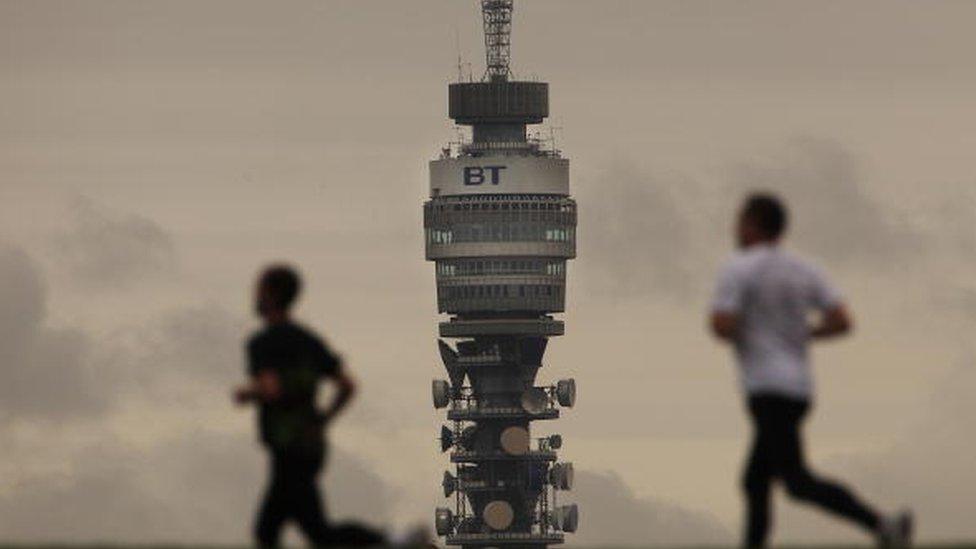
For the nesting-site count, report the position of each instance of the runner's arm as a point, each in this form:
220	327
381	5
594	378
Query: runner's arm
263	387
836	321
725	325
725	320
345	391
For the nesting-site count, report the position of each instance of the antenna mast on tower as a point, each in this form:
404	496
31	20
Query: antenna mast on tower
498	38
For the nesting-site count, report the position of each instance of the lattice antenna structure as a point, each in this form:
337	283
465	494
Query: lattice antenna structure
497	16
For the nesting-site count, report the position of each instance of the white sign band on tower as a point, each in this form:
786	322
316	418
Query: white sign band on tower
499	175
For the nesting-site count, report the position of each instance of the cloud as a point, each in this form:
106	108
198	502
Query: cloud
949	220
643	232
836	215
636	233
202	487
931	468
952	217
181	354
49	372
611	515
45	372
105	249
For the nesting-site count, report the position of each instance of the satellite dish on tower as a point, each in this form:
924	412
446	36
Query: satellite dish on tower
467	437
566	392
449	483
441	391
443	521
450	358
498	515
447	438
535	400
561	476
566	518
515	441
569	518
555	442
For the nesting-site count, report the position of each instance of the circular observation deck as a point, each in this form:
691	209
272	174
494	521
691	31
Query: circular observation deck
478	103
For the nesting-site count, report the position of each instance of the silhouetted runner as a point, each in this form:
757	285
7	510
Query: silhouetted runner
761	307
286	363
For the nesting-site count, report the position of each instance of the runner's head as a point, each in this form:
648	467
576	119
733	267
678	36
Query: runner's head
276	291
763	219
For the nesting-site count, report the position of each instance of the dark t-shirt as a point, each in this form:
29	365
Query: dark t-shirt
301	360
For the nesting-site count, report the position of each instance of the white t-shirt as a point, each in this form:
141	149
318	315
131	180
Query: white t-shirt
773	293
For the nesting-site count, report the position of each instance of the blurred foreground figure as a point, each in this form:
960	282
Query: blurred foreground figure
286	362
761	307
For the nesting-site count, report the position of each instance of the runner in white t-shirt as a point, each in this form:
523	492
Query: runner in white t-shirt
764	299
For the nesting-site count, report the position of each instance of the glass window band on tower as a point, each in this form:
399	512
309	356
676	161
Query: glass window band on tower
516	225
501	284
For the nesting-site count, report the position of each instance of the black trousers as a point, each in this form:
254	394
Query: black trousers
777	453
293	495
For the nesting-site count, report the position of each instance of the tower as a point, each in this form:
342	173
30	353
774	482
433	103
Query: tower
500	227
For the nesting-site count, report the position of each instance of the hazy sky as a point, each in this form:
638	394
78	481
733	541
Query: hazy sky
155	154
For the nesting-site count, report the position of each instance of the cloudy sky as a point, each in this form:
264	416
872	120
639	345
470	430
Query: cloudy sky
155	154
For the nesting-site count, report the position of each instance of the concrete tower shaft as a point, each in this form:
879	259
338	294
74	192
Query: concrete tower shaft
500	227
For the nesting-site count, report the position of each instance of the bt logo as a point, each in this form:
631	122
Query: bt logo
479	175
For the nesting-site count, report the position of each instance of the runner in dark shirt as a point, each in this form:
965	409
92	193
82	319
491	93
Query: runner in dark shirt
286	363
299	360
